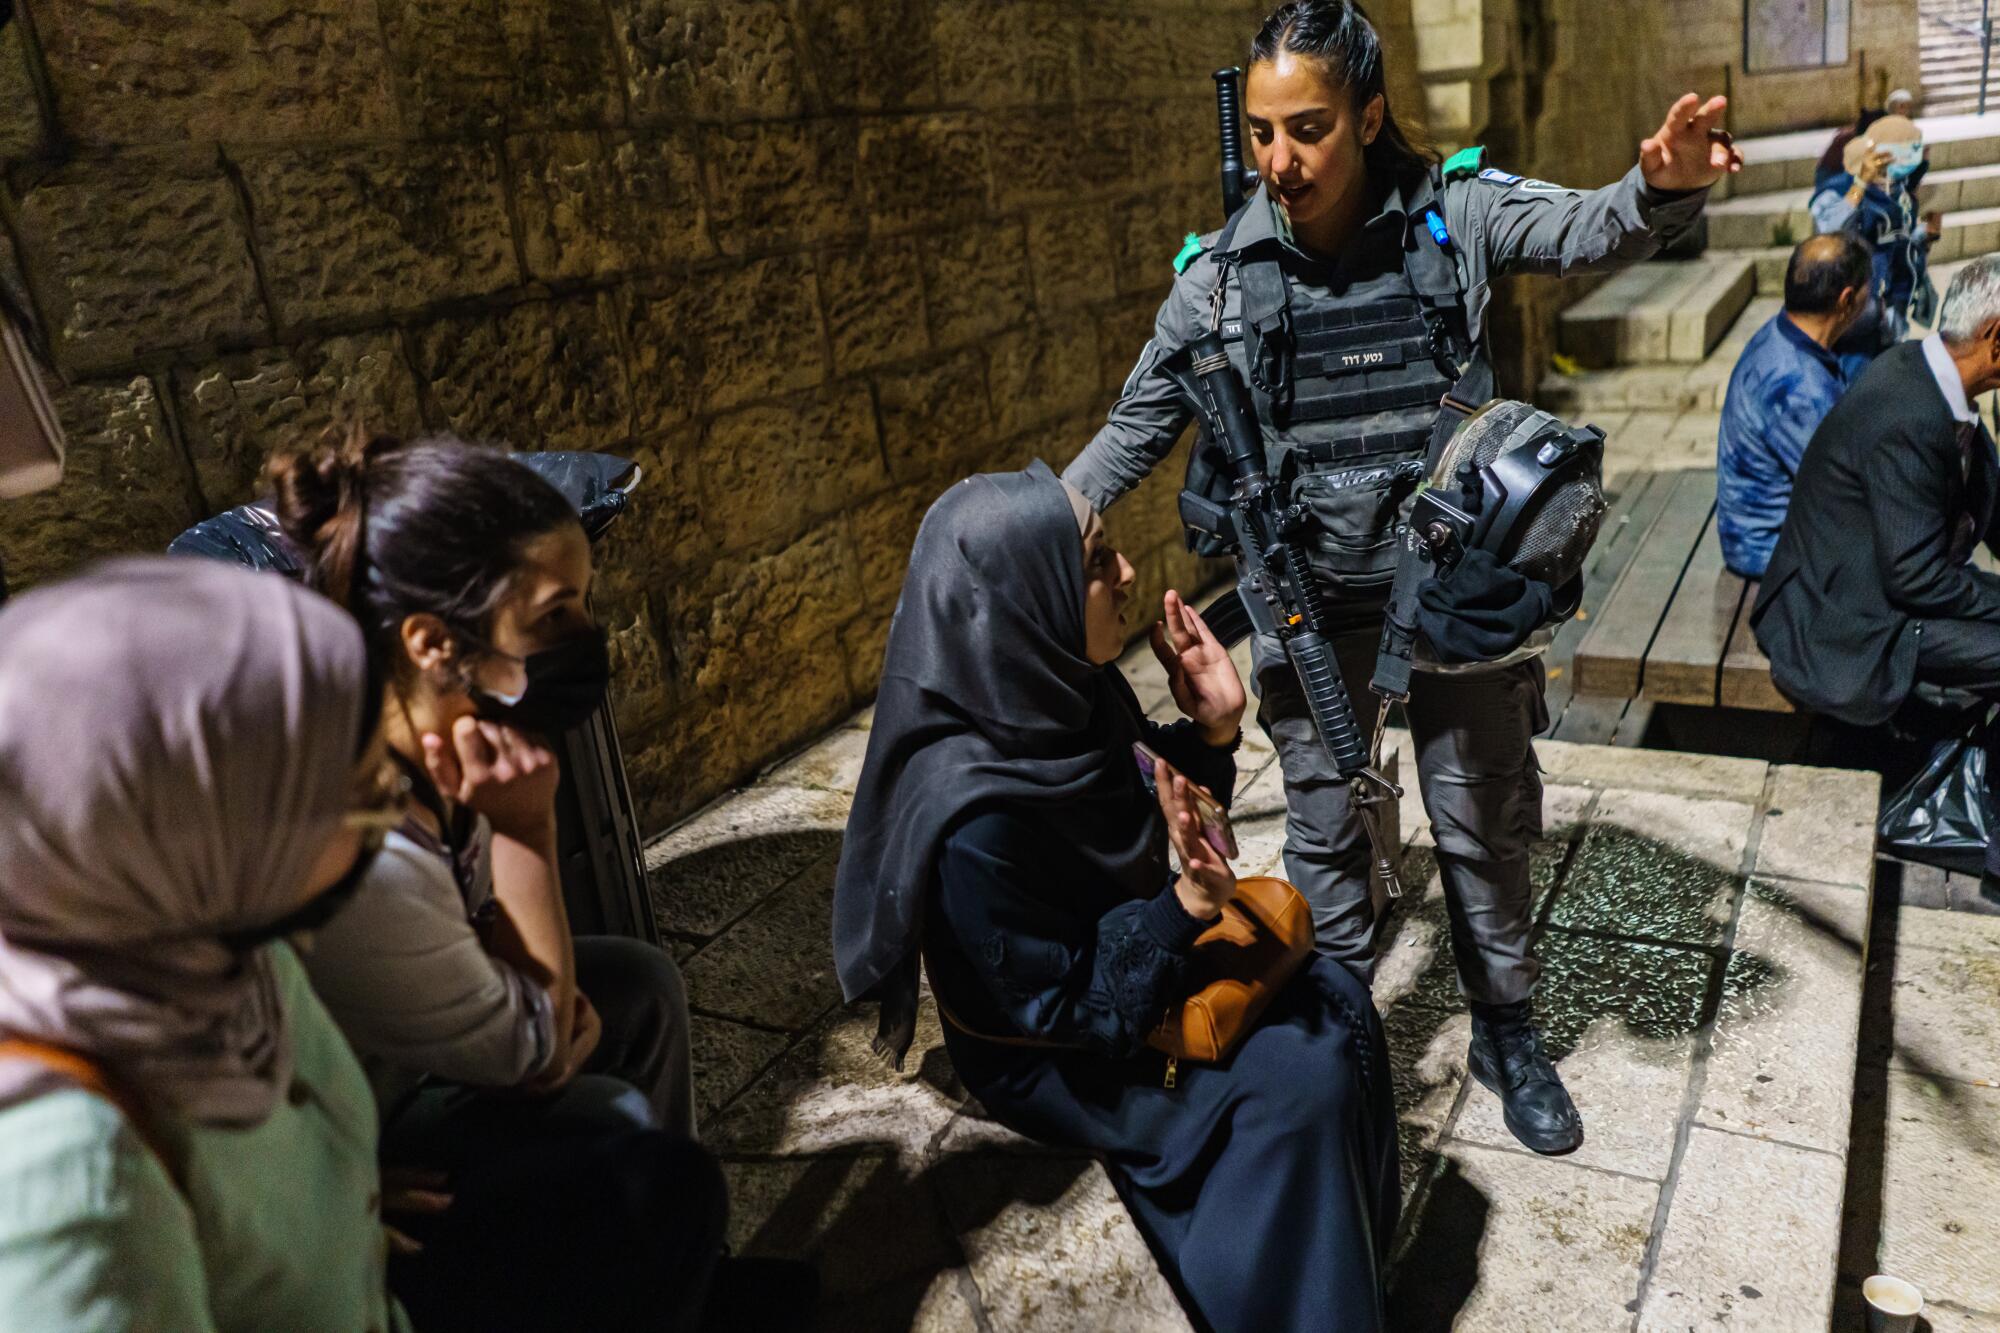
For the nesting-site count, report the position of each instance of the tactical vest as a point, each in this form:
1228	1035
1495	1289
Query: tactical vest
1348	390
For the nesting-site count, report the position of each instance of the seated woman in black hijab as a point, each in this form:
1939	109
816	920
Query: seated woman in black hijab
1002	824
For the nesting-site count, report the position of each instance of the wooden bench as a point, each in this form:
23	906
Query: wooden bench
1663	621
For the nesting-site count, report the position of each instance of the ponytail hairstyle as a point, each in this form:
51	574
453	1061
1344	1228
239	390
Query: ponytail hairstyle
390	529
1337	35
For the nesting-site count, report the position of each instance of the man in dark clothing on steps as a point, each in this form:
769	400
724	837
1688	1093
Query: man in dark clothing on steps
1870	590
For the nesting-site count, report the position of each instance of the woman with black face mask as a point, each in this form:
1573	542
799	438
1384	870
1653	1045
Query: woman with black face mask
514	1065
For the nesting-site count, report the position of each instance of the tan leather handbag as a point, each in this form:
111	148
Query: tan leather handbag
1237	966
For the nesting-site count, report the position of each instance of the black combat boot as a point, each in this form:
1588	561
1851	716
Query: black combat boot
1507	1057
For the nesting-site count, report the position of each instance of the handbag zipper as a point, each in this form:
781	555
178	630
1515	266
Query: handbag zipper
1173	1067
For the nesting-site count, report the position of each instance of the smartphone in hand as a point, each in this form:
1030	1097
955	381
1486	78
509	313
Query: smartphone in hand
1215	829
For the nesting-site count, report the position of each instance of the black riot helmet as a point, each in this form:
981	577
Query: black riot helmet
1493	552
1522	485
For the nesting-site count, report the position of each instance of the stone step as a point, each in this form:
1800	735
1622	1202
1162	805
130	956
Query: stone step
1957	188
1709	1186
1656	388
1785	161
1761	224
1664	311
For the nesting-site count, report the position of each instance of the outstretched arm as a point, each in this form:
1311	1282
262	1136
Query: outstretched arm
1527	226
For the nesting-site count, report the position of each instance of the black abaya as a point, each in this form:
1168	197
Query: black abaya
1267	1184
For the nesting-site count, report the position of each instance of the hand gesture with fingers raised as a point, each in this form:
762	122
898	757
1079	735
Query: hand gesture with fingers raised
1683	154
1206	881
1199	672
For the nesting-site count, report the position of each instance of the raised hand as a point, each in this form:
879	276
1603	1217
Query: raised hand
1682	155
1206	882
498	772
1199	672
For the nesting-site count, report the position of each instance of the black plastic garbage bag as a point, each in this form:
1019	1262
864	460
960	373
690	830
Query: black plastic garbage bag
597	484
246	535
1940	816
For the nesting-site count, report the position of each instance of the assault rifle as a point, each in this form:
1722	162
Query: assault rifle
1277	593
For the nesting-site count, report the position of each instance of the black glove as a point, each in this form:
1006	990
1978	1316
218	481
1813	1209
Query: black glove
1481	611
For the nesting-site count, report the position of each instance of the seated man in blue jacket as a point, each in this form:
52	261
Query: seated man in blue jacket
1785	383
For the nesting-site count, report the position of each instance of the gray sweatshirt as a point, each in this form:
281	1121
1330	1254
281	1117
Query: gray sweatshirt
412	986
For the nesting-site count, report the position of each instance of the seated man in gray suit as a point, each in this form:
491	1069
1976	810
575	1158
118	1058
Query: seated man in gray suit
1870	589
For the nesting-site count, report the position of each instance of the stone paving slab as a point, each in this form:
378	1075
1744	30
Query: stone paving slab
1652	770
928	1214
1791	1011
1939	1227
1946	1002
1511	1242
1621	1020
1051	1246
1657	866
1722	1265
1820	825
773	969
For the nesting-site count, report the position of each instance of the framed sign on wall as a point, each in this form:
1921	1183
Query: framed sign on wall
1794	34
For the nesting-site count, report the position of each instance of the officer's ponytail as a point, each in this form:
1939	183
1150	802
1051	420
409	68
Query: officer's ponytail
1338	35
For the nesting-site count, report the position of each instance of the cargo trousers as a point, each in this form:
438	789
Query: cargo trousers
1481	787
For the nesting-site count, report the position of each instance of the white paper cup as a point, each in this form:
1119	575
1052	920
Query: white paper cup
1893	1304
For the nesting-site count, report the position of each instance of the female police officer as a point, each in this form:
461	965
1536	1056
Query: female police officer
1346	289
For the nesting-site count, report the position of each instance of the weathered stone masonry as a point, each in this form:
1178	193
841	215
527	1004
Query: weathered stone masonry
806	260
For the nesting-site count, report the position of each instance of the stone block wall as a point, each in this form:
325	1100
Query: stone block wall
1566	89
807	261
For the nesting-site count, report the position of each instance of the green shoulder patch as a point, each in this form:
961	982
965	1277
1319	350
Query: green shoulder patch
1465	162
1189	250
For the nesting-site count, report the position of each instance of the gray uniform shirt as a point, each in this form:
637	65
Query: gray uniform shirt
411	985
1499	224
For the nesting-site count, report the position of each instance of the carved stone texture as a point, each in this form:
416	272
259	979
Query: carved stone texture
884	529
349	233
709	60
238	411
1051	156
481	65
641	692
157	71
1007	52
1133	54
874	299
1069	257
767	471
663	529
977	280
868	54
664	325
592	206
1178	140
125	487
1036	373
142	254
23	132
757	642
779	186
545	375
733	337
1148	230
935	418
922	170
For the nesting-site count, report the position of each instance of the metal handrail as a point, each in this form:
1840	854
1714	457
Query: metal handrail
1983	34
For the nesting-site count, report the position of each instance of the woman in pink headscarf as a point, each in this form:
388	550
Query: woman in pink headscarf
188	774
